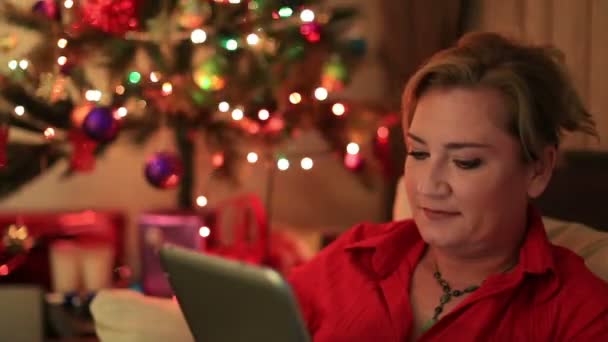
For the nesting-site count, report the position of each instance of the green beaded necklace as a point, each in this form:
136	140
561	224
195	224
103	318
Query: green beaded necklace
448	293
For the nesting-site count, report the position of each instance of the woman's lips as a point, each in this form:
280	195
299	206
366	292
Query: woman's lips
439	214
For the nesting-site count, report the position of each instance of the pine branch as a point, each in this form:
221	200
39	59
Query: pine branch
25	163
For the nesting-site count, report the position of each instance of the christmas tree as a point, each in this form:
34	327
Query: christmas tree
261	71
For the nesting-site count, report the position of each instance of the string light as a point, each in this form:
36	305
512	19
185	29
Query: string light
49	133
154	77
307	16
23	64
232	44
68	4
352	148
120	90
167	88
285	12
235	2
252	157
223	106
306	163
201	201
237	114
253	39
283	164
204	231
321	94
134	77
198	36
382	133
217	160
295	98
93	95
263	114
122	112
19	110
4	271
62	60
338	109
13	64
62	43
352	161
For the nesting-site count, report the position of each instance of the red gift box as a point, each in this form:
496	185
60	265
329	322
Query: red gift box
33	267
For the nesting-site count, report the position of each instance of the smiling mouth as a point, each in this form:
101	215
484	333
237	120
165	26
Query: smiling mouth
439	214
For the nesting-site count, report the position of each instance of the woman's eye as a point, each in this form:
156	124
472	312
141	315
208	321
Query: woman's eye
468	164
418	155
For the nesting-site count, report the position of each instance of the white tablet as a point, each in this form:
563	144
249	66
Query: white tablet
229	301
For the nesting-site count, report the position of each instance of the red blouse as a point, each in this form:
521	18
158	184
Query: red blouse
357	289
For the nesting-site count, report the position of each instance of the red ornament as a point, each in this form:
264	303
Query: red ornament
311	31
111	16
3	145
83	155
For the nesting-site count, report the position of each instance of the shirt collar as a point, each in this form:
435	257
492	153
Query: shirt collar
389	243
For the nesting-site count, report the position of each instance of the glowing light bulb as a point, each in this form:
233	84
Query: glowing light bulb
295	98
154	77
321	94
62	43
307	16
263	114
49	133
93	95
283	164
352	148
306	163
120	90
338	109
223	106
68	4
201	201
204	231
217	160
285	12
237	114
252	157
253	39
167	88
62	60
122	112
198	36
382	132
232	44
19	110
13	64
23	64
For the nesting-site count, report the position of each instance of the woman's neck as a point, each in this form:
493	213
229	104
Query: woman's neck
466	270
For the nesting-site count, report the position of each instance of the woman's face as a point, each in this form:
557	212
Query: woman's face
465	177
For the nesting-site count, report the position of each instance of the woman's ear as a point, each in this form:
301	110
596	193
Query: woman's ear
542	170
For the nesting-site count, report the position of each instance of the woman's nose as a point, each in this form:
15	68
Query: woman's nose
433	183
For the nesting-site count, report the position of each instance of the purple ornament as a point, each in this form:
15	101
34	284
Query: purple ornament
164	170
48	8
100	124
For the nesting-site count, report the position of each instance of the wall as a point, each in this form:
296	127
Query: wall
579	28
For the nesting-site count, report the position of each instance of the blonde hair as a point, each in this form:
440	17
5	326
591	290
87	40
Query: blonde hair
540	96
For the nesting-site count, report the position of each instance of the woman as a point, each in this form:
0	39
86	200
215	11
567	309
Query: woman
483	122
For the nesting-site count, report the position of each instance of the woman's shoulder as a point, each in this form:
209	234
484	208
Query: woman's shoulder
575	277
364	235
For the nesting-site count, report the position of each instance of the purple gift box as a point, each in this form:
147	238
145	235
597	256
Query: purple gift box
157	228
